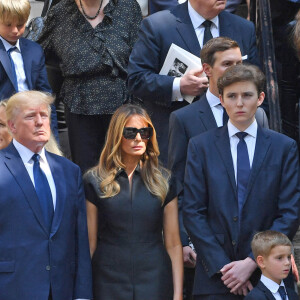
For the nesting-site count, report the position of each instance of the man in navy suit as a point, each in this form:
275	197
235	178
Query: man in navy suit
44	246
239	179
216	55
22	62
183	26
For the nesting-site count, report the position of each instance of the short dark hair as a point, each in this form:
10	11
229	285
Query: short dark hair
208	51
240	73
263	242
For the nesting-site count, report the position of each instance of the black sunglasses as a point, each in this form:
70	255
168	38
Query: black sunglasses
129	133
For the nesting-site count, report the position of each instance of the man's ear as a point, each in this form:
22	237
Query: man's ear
261	99
260	261
207	69
11	126
221	99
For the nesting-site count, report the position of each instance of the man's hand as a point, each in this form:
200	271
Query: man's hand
192	84
244	289
237	273
189	257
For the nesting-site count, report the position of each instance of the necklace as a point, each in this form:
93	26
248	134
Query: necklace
88	17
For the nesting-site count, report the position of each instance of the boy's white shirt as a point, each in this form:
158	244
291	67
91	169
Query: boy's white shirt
273	287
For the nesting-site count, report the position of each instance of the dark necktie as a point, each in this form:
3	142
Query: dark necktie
243	169
282	292
207	33
13	67
43	191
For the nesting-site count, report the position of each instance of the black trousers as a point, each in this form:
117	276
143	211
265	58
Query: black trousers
189	274
86	137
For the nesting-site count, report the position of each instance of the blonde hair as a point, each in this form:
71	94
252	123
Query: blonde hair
14	10
263	242
52	146
110	162
23	99
3	103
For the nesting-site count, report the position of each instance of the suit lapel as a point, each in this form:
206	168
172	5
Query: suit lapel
265	290
223	146
261	148
186	30
16	166
5	61
26	55
57	173
206	115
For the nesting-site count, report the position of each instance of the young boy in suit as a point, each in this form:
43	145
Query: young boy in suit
239	179
272	251
22	62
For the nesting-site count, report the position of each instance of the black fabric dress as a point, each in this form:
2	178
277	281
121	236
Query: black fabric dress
130	262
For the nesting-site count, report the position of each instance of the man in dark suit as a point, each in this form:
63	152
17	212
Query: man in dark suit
216	55
183	26
239	179
44	241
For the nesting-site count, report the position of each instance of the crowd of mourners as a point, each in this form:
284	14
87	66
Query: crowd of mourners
177	188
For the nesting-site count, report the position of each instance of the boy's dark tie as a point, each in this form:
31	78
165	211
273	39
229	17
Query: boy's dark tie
9	51
282	292
243	169
207	33
43	191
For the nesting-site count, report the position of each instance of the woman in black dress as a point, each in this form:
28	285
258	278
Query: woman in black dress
91	40
132	215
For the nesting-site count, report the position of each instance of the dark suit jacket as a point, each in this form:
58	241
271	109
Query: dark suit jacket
32	259
158	5
186	123
210	205
157	33
35	71
261	292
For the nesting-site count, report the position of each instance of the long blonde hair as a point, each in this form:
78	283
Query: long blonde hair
110	162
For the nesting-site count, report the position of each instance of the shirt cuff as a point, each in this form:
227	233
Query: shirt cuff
176	94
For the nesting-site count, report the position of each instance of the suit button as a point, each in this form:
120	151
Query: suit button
233	242
48	268
235	219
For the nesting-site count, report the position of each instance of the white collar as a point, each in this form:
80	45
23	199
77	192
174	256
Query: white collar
270	284
212	99
26	154
197	19
7	45
251	130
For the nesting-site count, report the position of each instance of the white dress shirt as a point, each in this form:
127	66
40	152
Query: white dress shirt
273	287
250	140
19	64
26	156
216	107
197	21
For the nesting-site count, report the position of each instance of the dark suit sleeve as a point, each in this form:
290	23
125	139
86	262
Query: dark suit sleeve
158	5
195	207
288	199
178	142
253	57
144	65
83	279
